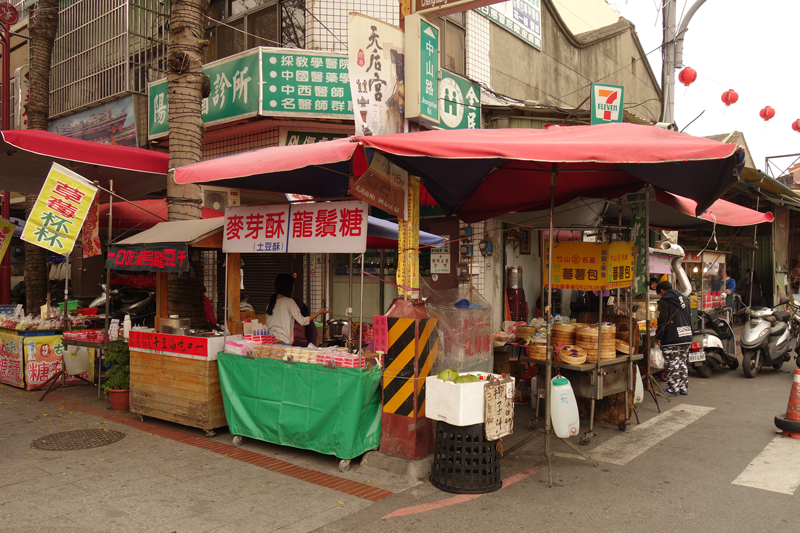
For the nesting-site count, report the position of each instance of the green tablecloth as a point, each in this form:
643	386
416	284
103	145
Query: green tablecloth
334	411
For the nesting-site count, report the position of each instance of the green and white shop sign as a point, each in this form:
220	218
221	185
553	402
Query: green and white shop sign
265	81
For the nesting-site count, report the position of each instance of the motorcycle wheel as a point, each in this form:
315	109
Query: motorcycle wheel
751	361
705	370
733	364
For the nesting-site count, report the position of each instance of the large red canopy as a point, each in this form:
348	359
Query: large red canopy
143	214
480	174
721	212
26	157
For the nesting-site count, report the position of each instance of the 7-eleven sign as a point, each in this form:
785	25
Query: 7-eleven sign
606	103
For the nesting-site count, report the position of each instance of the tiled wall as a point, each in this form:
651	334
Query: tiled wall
327	24
478	28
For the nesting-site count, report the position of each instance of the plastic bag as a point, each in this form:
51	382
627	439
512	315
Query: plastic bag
656	358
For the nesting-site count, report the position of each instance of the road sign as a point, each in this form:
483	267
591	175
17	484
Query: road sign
422	70
8	13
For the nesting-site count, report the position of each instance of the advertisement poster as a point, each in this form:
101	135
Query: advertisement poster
58	214
607	103
91	230
6	232
523	18
154	257
590	266
638	203
620	264
327	227
113	123
11	360
384	185
377	74
440	257
43	356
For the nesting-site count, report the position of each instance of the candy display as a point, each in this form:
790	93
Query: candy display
336	356
35	323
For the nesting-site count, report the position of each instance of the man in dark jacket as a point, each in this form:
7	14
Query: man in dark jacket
674	335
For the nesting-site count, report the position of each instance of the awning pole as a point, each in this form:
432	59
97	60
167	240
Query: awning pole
753	259
548	314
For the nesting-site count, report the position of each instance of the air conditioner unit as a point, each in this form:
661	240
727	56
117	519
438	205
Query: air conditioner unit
220	197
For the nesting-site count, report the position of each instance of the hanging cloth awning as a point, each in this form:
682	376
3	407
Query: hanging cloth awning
26	157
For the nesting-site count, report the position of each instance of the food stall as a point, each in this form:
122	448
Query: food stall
326	399
174	372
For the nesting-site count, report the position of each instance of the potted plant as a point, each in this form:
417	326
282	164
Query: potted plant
118	377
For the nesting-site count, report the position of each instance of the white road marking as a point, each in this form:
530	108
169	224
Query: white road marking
638	439
777	467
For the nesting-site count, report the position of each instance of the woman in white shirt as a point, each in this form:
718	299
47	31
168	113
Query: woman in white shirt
283	312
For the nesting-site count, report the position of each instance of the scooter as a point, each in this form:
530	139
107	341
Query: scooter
139	304
714	344
766	339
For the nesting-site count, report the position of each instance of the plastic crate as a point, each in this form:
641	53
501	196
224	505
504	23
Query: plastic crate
71	305
459	404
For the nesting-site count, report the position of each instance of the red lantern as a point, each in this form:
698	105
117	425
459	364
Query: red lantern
796	125
766	113
687	76
730	97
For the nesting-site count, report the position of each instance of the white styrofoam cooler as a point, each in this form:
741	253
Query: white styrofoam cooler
459	404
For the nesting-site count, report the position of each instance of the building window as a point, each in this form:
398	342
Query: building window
239	25
452	42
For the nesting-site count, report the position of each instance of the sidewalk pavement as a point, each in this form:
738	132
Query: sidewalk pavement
162	476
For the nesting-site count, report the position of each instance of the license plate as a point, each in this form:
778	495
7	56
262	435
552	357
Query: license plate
697	357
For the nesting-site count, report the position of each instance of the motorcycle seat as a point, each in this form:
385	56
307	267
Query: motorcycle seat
778	328
782	316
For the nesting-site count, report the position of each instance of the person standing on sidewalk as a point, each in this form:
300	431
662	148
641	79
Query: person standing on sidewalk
674	335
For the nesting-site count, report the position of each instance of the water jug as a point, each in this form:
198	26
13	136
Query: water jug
563	408
638	391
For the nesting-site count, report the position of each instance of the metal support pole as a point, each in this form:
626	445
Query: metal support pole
350	303
549	357
753	259
361	315
5	119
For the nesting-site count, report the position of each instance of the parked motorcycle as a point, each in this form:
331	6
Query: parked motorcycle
140	304
766	339
714	344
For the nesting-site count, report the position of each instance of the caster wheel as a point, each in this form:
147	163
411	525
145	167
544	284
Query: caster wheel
237	440
344	465
531	425
141	418
623	425
585	439
211	433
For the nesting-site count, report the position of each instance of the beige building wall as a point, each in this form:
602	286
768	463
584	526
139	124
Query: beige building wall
586	15
562	72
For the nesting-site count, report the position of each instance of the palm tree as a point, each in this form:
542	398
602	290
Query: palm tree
187	86
43	24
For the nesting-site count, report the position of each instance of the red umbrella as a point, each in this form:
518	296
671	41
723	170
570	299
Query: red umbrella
484	173
721	212
143	214
27	155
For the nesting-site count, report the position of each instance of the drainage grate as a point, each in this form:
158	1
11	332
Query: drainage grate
83	439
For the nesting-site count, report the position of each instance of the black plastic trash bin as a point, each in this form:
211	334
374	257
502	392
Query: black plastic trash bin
465	462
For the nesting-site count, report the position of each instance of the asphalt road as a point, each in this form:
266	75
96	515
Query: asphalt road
709	461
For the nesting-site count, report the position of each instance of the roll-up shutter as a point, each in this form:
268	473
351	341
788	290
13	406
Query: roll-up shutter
259	277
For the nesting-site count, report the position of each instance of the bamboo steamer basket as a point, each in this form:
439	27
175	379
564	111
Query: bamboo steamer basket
623	347
526	332
537	351
564	355
563	334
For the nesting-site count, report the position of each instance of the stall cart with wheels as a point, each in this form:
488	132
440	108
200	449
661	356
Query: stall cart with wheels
327	409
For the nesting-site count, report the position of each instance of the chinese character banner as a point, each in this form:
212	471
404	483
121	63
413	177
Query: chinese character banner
156	257
6	232
306	83
58	214
590	266
339	227
91	231
43	358
376	66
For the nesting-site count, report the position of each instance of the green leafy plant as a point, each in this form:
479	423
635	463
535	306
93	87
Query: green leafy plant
118	376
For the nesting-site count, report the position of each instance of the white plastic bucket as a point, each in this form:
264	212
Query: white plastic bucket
563	408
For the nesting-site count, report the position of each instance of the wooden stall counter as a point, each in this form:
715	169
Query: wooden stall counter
175	378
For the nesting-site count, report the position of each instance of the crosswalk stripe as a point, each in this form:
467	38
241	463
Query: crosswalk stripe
628	446
776	469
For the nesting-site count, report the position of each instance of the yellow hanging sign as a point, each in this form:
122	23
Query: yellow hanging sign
588	266
6	232
58	214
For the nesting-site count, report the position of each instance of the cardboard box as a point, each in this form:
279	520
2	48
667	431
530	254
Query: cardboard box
502	362
459	404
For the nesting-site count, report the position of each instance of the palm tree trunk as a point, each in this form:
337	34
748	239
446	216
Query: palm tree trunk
43	29
187	86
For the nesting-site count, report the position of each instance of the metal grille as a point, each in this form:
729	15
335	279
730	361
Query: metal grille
82	439
326	26
106	49
241	143
210	277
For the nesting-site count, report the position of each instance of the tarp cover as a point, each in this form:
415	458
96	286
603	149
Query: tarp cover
27	155
335	411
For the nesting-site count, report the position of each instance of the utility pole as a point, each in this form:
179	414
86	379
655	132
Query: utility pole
8	16
672	54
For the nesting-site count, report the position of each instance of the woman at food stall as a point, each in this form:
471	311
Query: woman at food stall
283	312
